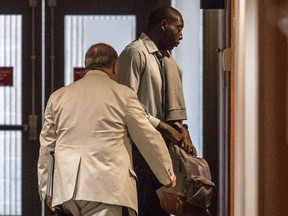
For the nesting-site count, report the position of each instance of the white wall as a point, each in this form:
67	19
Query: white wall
189	56
246	105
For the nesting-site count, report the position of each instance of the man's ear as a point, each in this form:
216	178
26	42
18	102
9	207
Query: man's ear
114	68
164	24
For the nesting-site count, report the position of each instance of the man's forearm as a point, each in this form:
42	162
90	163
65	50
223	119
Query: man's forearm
169	133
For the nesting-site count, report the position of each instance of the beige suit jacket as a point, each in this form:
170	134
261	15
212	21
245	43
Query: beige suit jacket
91	125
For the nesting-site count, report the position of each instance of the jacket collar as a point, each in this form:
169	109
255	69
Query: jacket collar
98	73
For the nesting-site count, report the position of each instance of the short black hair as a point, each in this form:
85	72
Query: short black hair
162	12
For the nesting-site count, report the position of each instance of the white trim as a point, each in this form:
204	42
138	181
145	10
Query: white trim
246	109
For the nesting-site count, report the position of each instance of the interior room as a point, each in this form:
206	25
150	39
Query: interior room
234	57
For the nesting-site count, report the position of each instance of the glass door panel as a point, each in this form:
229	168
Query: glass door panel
83	31
10	114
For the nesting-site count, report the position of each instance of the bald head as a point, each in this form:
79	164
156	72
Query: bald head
100	56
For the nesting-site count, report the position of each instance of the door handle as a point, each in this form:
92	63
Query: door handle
32	127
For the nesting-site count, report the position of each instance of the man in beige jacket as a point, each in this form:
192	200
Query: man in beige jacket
91	125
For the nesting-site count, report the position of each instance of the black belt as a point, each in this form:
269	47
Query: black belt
125	211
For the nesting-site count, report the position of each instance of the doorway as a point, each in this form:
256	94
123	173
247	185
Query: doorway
33	49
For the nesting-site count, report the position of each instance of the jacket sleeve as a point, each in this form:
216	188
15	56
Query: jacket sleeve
149	141
47	144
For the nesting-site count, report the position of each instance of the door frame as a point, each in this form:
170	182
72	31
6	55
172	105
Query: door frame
31	92
55	25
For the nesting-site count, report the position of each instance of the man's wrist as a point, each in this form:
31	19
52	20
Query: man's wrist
176	127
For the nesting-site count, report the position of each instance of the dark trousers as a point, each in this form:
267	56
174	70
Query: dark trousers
147	184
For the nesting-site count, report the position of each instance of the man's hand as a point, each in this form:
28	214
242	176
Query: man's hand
169	133
49	203
187	144
182	139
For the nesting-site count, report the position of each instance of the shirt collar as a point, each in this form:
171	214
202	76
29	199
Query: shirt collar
151	46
